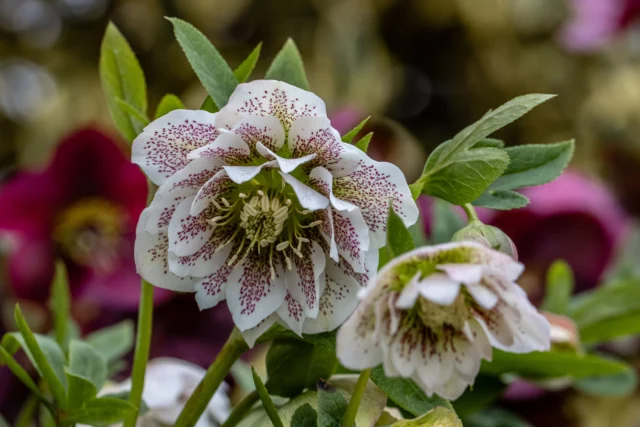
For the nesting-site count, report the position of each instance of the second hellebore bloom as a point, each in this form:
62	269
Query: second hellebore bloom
263	205
434	313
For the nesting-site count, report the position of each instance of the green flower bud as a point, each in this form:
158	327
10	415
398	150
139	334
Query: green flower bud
489	236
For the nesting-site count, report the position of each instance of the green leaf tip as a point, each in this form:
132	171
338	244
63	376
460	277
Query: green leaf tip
348	137
244	70
288	66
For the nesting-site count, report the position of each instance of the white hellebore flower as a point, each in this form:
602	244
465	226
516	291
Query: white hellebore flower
263	205
168	384
434	313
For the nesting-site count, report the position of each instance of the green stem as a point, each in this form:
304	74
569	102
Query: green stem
241	410
198	401
472	216
143	342
350	416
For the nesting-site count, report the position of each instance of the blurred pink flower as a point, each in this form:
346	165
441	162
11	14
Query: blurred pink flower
83	209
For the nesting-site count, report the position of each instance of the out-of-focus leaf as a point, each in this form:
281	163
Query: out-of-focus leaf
559	288
122	78
267	403
132	111
7	360
486	390
5	423
348	137
244	70
445	222
100	411
114	341
502	200
288	67
332	405
80	390
495	417
399	240
305	416
87	362
618	385
437	417
167	104
213	71
60	303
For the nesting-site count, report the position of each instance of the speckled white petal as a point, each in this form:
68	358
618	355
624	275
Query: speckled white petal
207	260
356	344
308	198
187	233
291	314
228	147
241	174
217	186
212	289
286	165
303	280
251	335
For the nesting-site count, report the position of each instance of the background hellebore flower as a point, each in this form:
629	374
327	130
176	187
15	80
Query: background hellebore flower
263	205
168	384
434	313
82	209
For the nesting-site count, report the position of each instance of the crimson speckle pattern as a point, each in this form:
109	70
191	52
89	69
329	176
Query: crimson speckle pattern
325	143
277	103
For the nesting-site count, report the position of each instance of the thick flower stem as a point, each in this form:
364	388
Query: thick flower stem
241	410
472	216
198	401
143	342
350	416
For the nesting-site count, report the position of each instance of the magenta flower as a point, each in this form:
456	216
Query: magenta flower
82	209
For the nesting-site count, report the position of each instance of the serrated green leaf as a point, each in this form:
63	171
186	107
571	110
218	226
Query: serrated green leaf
103	410
132	111
445	223
618	385
332	405
122	78
244	70
348	137
294	365
87	362
467	175
114	341
534	164
491	122
305	416
288	67
551	364
213	71
399	240
167	104
501	200
406	394
437	417
46	356
267	403
559	287
60	304
363	143
489	142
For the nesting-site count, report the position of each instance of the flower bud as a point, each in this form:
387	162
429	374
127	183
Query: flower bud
489	236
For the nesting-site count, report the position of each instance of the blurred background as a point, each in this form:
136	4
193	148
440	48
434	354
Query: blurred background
423	69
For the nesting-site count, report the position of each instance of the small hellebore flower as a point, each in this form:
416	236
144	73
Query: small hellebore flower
82	209
263	205
434	313
168	383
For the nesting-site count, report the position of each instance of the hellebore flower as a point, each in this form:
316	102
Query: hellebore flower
167	385
263	205
83	209
434	313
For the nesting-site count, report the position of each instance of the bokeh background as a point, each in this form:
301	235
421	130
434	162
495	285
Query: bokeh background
423	69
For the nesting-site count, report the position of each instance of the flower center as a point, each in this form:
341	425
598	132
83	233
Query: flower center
433	314
263	218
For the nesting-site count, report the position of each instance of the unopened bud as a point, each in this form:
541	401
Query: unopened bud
489	236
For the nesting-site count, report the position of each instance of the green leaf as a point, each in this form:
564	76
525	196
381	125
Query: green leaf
113	342
132	112
446	222
618	385
305	416
100	411
348	137
491	122
167	104
610	329
288	67
406	394
486	390
245	69
363	143
212	70
534	164
399	239
331	405
551	364
267	403
122	78
416	189
489	142
5	423
81	390
418	233
495	417
87	362
501	200
209	105
126	395
60	304
467	175
437	417
559	288
46	356
294	365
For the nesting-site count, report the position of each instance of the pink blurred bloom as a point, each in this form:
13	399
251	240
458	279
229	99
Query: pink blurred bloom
83	209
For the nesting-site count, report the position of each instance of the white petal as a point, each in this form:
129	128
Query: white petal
264	129
327	231
371	187
218	185
321	180
497	328
162	148
207	260
307	197
352	237
463	273
483	296
187	233
314	135
213	288
291	313
251	335
275	98
228	146
409	294
439	288
453	388
303	281
286	165
241	174
356	345
252	295
403	345
480	339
